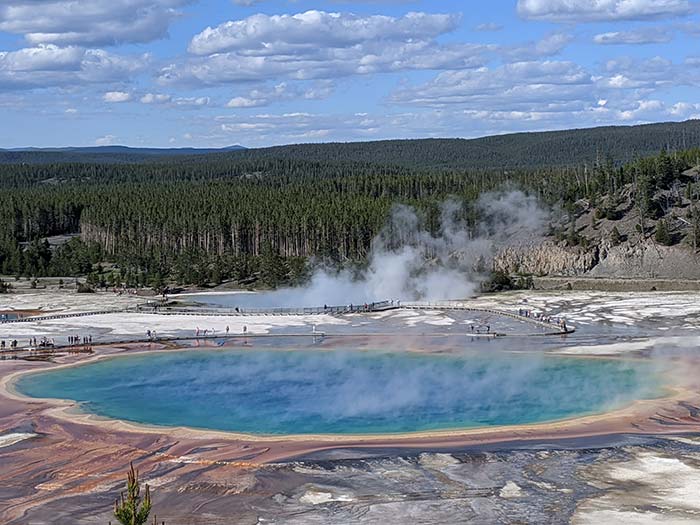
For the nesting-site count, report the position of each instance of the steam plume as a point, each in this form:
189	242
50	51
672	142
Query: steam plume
408	262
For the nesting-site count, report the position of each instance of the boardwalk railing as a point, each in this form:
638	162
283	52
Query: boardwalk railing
156	308
557	324
50	317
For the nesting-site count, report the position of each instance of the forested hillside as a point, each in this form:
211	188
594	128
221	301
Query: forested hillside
261	220
513	151
572	148
102	154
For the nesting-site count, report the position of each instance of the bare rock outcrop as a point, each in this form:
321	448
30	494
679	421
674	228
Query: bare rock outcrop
647	260
629	260
546	258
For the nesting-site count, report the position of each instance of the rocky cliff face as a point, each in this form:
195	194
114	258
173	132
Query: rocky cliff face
610	238
643	260
546	258
648	260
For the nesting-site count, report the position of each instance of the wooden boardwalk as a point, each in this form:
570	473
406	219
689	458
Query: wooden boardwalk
155	309
459	305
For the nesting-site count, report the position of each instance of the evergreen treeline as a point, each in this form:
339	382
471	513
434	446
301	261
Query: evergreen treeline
248	219
102	154
512	151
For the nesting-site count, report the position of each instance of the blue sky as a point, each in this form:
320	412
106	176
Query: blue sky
209	73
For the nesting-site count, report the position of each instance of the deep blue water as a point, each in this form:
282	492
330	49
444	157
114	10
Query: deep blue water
316	391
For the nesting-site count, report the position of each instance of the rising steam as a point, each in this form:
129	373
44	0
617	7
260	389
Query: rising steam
408	262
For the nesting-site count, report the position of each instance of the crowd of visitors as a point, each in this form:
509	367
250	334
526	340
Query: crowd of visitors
537	316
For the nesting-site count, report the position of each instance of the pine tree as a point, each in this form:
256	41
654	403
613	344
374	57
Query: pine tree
694	228
615	237
130	509
663	235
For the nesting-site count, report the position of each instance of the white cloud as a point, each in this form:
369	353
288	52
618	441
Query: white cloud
491	116
71	111
280	92
245	102
195	102
320	45
47	66
548	46
602	10
685	110
488	27
656	35
644	108
304	127
155	98
549	86
691	29
169	100
263	35
88	22
107	140
649	74
116	96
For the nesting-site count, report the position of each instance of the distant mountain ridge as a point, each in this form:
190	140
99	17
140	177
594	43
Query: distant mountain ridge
102	154
528	150
128	149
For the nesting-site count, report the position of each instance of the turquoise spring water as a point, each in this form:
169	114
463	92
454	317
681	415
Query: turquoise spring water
344	392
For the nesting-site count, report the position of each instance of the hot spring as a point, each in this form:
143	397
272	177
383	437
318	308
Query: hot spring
344	391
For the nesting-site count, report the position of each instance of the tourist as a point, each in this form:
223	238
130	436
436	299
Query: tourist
227	329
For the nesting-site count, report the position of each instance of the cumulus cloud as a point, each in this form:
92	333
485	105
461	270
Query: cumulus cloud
643	108
155	98
310	127
116	96
169	100
192	102
490	26
522	87
647	74
320	45
264	35
587	105
655	35
88	22
685	110
47	66
601	10
548	46
106	140
281	92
